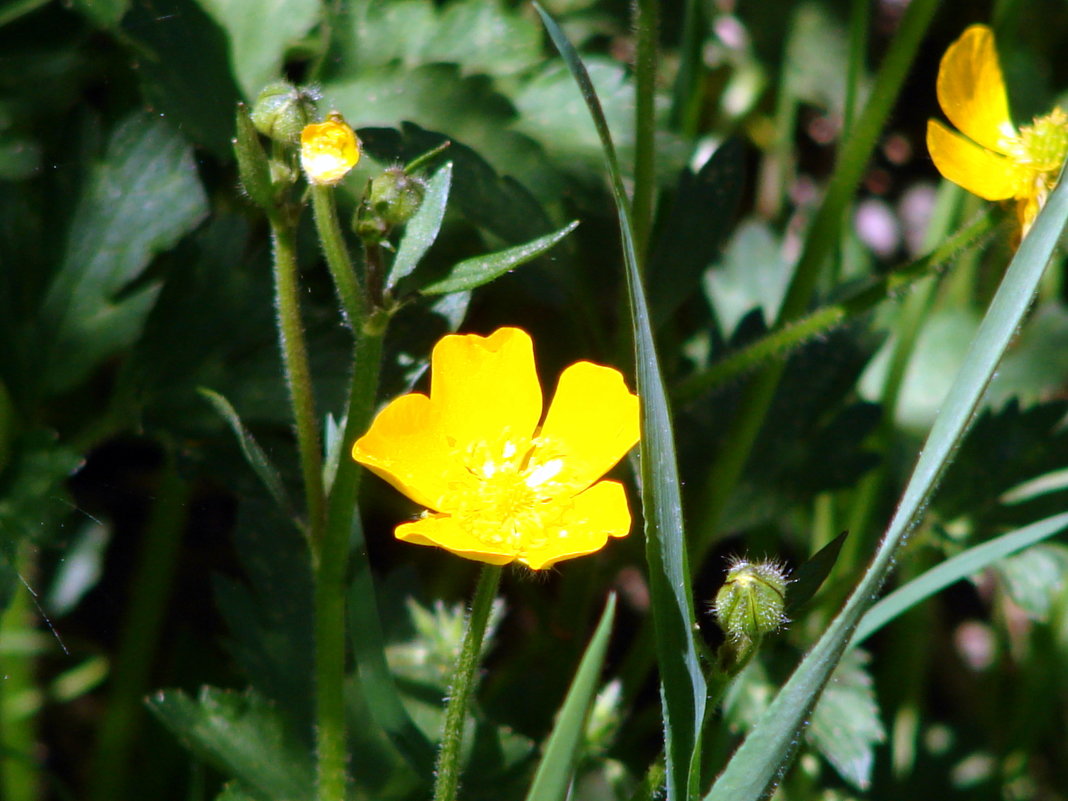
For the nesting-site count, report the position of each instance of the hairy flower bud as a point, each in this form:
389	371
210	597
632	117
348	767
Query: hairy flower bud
395	196
751	601
282	110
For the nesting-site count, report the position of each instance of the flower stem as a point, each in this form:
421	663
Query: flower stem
298	378
463	681
647	24
353	299
331	569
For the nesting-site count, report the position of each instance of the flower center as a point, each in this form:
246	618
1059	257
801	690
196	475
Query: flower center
510	497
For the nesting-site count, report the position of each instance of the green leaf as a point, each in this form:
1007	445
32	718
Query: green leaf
808	578
693	229
422	229
474	272
105	13
244	736
753	770
260	31
683	687
139	201
481	36
254	454
493	202
234	792
162	35
953	570
1036	578
752	274
553	777
845	724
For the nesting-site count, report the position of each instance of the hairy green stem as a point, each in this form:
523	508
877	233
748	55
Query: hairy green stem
353	299
298	379
822	237
781	341
647	23
140	637
447	781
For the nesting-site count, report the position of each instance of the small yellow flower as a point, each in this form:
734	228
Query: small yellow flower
993	159
499	484
328	150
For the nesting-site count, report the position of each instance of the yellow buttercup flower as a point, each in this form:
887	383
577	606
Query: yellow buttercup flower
328	150
993	159
498	483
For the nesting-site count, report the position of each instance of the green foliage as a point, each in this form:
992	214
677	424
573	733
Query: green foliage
243	735
767	215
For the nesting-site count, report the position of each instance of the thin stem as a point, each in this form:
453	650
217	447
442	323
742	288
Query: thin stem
298	379
353	299
647	23
463	682
140	637
332	567
686	102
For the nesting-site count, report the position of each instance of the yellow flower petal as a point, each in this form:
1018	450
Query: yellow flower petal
328	150
445	532
574	527
971	89
486	388
981	172
597	514
591	424
406	447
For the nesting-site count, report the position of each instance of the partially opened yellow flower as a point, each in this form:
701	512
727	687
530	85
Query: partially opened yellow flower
499	484
993	159
328	150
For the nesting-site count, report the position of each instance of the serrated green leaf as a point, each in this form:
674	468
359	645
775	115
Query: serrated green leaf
140	200
244	736
845	724
260	31
254	454
1036	578
474	272
422	229
553	777
753	770
683	686
953	570
752	274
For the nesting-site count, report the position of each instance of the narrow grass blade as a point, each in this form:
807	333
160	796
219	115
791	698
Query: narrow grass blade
254	454
953	570
757	765
557	765
683	686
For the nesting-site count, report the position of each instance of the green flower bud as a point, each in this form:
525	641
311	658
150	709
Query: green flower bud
395	196
282	110
751	601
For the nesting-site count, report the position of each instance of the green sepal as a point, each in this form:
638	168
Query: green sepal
252	165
